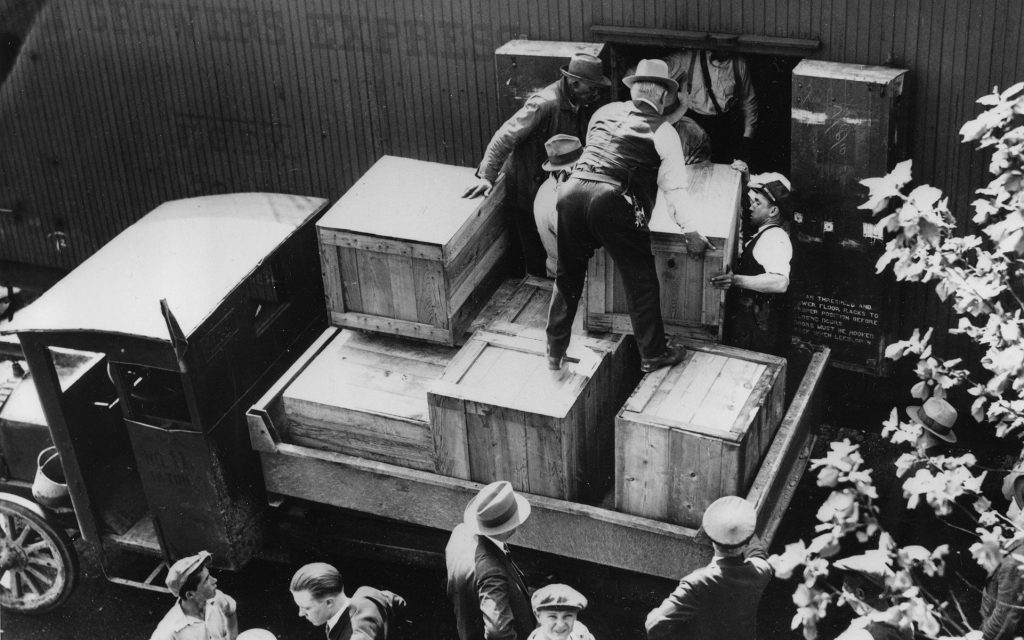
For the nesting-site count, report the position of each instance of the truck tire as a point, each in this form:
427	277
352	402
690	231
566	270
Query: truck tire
38	563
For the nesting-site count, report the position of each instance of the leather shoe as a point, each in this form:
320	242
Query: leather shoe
672	356
554	363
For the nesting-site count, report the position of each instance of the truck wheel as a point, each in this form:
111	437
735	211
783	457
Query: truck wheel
38	563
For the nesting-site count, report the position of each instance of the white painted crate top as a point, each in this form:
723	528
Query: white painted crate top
713	205
846	71
548	49
406	199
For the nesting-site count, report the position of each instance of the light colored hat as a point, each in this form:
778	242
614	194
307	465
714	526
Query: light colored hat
585	67
871	564
558	596
652	71
183	568
1013	485
563	150
937	417
730	521
256	634
496	509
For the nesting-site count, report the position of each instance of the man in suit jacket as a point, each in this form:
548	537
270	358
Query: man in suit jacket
486	588
719	601
319	594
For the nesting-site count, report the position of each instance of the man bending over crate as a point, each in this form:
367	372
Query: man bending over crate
631	150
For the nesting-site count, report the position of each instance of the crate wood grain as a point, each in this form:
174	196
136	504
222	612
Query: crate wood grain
690	306
366	395
403	253
697	431
498	413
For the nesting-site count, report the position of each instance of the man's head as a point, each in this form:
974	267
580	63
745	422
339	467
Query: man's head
864	578
497	511
730	523
1013	490
936	417
318	592
189	579
584	77
563	151
556	607
770	198
651	82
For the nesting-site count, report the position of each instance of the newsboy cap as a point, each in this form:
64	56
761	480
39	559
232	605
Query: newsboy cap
183	568
730	521
558	596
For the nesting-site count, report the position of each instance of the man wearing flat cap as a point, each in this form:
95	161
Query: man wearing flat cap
719	601
562	107
630	152
563	151
487	589
756	303
201	612
556	607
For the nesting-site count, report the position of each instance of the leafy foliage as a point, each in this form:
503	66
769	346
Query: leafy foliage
981	275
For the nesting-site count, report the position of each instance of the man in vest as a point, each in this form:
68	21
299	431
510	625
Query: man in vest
719	601
607	201
562	107
756	306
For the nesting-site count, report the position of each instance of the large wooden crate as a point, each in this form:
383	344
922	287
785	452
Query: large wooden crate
403	253
690	306
364	395
697	431
498	413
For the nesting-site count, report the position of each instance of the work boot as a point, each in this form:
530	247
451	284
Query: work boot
672	356
554	361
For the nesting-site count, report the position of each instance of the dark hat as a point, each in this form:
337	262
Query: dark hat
585	67
730	521
652	71
496	509
937	417
558	596
562	150
180	571
775	187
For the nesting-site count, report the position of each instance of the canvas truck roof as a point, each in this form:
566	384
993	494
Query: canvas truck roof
193	252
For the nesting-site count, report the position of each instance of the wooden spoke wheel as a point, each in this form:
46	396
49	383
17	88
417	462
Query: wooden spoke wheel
38	564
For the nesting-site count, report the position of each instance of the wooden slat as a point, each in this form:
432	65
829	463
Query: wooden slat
377	244
387	325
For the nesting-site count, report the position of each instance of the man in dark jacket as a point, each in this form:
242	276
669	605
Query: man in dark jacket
486	588
562	107
319	594
1002	605
719	601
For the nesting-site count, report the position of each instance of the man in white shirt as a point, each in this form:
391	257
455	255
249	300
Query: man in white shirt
201	612
756	308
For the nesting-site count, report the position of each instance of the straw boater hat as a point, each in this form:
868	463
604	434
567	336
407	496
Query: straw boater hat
585	67
652	71
937	417
560	597
730	521
563	150
183	568
496	509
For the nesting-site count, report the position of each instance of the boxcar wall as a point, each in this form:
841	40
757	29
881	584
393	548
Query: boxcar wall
110	107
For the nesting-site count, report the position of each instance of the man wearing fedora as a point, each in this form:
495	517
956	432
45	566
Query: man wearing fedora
564	106
719	601
630	152
1002	603
487	589
756	305
563	151
201	611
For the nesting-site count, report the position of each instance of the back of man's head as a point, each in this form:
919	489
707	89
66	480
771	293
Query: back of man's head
319	579
655	92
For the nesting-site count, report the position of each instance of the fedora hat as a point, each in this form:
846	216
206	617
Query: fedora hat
1013	485
496	509
562	150
585	67
729	521
652	71
937	417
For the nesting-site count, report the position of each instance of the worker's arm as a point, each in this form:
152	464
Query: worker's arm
748	98
680	606
673	178
763	283
1005	617
773	252
505	140
495	608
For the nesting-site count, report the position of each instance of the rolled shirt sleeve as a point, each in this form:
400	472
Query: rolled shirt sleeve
673	175
774	252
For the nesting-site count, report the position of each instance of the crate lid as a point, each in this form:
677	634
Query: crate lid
846	71
715	391
406	199
548	48
511	371
714	190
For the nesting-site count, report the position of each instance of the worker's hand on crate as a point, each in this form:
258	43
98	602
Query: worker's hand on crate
697	244
482	187
740	166
724	280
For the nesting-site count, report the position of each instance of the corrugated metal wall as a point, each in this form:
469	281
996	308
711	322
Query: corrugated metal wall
114	106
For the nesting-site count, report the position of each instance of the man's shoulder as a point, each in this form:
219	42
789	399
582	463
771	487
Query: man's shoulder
549	95
172	622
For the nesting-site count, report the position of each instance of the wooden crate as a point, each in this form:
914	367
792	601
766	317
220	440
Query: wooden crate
697	431
690	306
366	395
498	413
403	253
